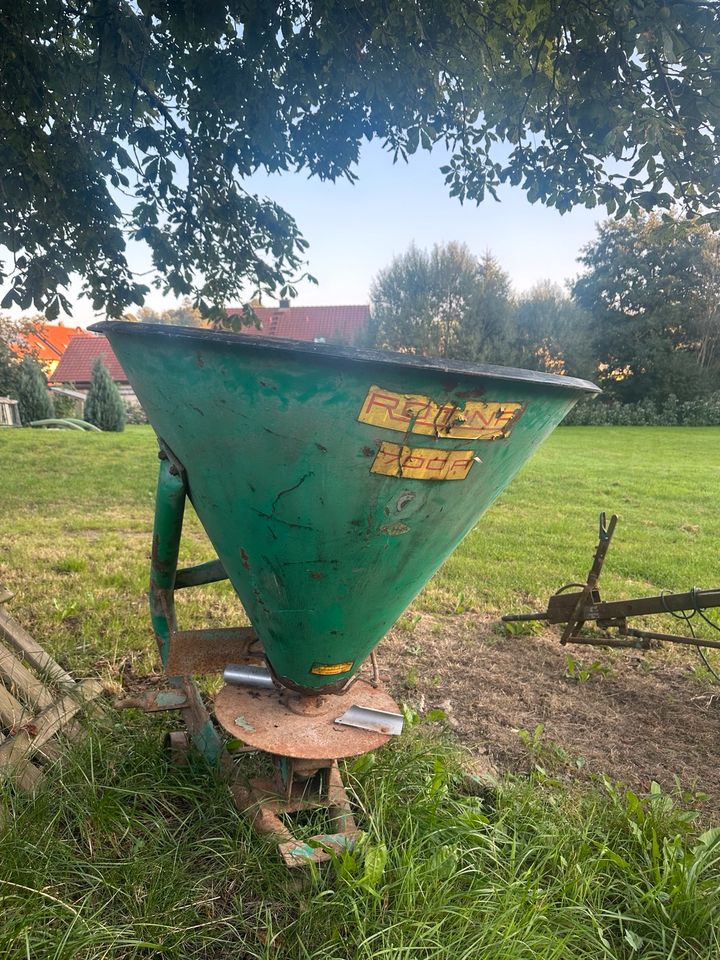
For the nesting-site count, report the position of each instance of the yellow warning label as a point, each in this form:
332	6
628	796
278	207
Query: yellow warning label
330	669
414	413
420	463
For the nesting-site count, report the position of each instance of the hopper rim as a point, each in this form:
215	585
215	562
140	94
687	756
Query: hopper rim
329	351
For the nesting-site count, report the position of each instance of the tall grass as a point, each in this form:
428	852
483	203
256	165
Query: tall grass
122	856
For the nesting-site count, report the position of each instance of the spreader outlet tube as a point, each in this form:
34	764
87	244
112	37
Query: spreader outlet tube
241	675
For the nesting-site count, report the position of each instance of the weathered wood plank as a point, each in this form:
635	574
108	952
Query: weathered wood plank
5	594
15	749
26	775
54	748
12	712
29	649
18	675
51	750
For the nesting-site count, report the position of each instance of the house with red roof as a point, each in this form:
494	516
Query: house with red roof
46	342
334	324
76	365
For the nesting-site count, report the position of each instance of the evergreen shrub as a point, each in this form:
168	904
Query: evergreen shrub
34	401
104	406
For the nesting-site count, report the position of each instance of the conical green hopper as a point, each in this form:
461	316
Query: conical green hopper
333	482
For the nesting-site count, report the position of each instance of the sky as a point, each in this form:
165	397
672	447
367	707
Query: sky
354	230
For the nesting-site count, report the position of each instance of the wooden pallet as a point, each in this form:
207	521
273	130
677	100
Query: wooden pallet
38	703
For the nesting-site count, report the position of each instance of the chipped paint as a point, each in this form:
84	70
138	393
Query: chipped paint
243	724
167	699
415	413
394	529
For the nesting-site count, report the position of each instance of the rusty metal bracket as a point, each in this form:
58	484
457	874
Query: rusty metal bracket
590	591
295	787
154	701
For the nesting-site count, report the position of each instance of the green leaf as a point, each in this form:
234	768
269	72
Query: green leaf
374	865
634	939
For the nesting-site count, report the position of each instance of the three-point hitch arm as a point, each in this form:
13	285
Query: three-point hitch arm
576	608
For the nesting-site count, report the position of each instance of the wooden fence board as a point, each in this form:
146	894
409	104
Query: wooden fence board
38	731
12	712
29	649
34	706
20	677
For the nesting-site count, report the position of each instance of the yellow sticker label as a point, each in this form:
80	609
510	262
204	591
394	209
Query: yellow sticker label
421	463
413	413
330	669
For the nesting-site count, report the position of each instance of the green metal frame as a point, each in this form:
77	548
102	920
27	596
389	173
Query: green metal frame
282	794
167	532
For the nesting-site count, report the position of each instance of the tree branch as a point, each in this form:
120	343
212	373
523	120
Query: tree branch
162	108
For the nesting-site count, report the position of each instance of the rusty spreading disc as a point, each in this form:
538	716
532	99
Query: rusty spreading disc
261	719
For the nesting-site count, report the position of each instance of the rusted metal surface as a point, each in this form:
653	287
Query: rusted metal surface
263	719
605	536
209	651
576	609
265	801
561	605
155	701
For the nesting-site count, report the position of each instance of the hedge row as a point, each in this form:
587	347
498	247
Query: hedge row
646	413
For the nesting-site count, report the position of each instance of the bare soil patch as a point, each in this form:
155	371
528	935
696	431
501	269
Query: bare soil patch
636	717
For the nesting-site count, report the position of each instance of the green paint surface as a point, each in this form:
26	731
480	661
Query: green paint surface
324	553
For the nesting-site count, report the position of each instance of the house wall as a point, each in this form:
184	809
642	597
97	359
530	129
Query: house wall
124	389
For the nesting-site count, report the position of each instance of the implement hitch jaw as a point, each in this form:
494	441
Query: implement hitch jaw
576	609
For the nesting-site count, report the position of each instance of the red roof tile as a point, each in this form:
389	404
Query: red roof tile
48	341
338	323
77	362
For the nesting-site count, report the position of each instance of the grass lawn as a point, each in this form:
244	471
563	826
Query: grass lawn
121	856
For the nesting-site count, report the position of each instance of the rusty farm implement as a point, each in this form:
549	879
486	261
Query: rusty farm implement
332	483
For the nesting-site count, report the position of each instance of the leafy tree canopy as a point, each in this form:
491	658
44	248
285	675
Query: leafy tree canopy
141	120
552	333
445	302
652	289
185	315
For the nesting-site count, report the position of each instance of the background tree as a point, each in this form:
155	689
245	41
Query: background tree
104	406
419	301
8	372
486	331
444	303
186	315
34	401
552	333
142	120
8	359
651	289
13	346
